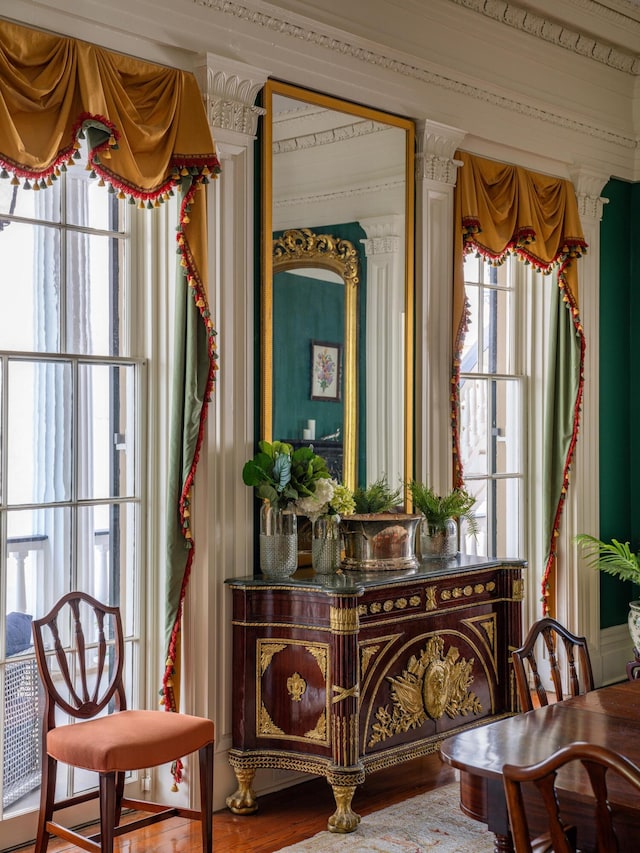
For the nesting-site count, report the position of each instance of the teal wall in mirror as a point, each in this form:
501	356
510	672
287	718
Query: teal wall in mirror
310	308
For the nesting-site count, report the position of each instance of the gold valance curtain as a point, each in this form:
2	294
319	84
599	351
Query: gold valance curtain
501	209
147	134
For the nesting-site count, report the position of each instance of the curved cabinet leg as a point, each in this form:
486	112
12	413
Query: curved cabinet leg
243	801
344	819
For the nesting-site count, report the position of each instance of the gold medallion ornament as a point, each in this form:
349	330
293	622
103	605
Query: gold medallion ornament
431	685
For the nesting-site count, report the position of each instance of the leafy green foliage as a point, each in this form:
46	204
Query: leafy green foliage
438	509
281	475
615	558
378	497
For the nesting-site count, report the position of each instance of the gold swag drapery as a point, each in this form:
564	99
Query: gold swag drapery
147	134
501	209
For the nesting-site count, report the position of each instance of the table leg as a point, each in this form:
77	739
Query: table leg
498	817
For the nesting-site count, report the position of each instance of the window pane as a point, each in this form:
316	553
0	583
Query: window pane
490	440
107	540
29	287
91	205
38	567
488	345
94	297
498	514
39	204
106	459
39	434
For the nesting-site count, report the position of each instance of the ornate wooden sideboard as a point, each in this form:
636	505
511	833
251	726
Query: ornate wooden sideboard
345	674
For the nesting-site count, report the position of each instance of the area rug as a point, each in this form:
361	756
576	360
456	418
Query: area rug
431	821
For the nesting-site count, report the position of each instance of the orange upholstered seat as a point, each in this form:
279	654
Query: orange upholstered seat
128	740
79	648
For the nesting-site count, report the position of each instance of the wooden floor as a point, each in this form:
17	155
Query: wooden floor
284	817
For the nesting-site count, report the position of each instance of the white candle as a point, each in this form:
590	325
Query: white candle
306	435
311	429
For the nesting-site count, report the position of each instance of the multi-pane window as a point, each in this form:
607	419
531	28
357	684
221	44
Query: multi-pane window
70	391
492	408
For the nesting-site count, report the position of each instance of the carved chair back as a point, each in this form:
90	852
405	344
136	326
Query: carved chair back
79	649
597	761
564	652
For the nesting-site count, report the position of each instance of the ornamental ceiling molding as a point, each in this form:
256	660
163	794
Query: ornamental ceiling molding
302	142
555	33
371	57
339	195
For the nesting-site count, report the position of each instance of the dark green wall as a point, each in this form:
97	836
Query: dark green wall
619	365
304	309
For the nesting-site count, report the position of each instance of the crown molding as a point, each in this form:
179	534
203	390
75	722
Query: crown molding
344	45
554	32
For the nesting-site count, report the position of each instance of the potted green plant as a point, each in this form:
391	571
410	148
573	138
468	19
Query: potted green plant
615	558
442	516
379	535
280	476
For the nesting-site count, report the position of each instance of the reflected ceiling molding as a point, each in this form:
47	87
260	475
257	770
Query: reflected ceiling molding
300	142
556	33
351	192
372	57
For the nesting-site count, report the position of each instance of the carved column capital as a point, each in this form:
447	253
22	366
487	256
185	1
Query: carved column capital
589	184
383	234
436	145
229	89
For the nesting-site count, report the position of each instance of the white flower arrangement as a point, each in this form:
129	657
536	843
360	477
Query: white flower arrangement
329	498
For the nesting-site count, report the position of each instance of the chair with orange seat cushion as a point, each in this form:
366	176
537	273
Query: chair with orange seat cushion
600	764
79	649
575	659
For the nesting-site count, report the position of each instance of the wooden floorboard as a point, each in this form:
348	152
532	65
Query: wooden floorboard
284	817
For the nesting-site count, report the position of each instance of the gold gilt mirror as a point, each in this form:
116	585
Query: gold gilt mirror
337	282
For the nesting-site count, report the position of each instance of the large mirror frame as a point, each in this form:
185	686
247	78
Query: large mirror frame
301	247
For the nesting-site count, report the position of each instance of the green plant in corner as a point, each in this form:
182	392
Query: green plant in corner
438	509
615	558
378	497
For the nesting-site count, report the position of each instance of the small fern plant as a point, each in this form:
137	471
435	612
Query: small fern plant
615	558
438	509
378	497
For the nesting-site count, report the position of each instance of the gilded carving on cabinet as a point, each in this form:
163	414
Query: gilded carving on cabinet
266	726
433	684
267	651
431	598
484	627
344	620
366	654
319	731
320	654
342	693
296	685
292	690
457	592
517	589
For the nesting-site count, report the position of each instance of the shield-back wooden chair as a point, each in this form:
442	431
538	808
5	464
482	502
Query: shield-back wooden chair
527	668
561	838
80	654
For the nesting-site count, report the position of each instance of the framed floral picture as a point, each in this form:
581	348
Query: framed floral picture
326	370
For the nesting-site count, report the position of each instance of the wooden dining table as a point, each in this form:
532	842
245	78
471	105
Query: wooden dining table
609	716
